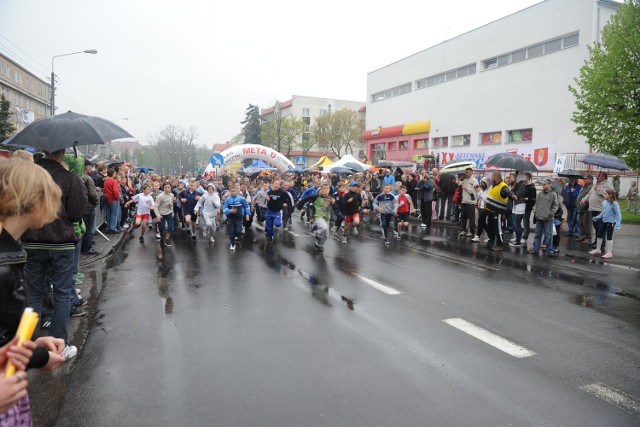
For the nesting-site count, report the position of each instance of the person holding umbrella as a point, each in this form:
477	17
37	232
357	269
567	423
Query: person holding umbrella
570	194
595	198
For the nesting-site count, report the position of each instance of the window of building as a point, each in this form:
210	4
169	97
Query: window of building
534	51
450	75
571	40
306	112
393	146
447	76
306	137
7	71
489	138
441	142
307	121
404	145
520	135
552	46
462	140
490	63
379	152
419	144
504	60
322	112
519	55
389	93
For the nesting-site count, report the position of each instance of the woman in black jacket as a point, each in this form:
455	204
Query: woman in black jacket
21	207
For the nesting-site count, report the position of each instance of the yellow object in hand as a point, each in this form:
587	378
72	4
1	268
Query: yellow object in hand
28	324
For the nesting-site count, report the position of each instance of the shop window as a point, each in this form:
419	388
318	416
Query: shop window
442	142
489	138
520	135
393	146
462	140
404	145
419	144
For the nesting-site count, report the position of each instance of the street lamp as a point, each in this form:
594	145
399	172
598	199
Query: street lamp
53	76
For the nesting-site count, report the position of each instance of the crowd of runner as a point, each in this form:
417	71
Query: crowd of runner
46	225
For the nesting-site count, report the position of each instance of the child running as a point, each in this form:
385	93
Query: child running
209	203
277	199
386	204
405	208
352	203
189	199
236	209
165	202
145	204
320	204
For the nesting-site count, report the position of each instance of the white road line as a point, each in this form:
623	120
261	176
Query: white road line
377	285
490	338
612	396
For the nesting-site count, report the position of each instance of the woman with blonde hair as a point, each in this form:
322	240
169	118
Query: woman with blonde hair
22	207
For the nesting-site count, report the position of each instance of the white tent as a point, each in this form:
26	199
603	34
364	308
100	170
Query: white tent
347	158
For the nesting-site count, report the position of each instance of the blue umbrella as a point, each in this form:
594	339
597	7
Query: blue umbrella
607	161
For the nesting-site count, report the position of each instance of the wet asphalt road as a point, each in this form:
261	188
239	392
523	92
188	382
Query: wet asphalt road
278	334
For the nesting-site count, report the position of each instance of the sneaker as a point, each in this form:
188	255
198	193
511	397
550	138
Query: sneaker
399	237
395	233
386	242
78	282
423	225
595	252
485	240
469	234
194	238
77	312
141	239
608	255
79	275
159	237
354	230
284	228
212	240
344	240
81	302
205	233
232	248
69	352
167	244
78	291
475	239
319	247
515	244
512	240
462	233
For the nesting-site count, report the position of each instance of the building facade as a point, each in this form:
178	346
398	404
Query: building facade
28	94
307	108
502	87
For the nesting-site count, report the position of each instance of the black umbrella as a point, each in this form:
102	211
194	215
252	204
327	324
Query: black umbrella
570	173
68	130
607	161
511	161
355	166
341	169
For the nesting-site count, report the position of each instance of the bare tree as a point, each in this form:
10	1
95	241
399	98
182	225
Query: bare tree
339	132
281	131
175	147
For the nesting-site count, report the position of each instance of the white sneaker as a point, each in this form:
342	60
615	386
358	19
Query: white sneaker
395	233
512	240
462	233
69	352
212	240
475	239
423	225
355	231
232	248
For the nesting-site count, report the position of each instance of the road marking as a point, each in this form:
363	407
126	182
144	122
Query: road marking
612	396
377	285
490	338
295	234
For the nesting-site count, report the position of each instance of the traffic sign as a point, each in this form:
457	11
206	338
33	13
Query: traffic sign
217	159
301	160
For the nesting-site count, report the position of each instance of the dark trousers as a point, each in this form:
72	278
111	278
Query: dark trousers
468	213
482	223
426	209
234	228
445	199
494	229
90	223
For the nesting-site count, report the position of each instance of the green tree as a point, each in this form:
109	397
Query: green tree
608	90
252	125
7	128
281	131
339	132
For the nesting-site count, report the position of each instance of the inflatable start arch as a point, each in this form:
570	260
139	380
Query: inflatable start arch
252	151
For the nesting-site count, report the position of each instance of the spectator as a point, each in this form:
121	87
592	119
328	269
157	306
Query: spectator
90	212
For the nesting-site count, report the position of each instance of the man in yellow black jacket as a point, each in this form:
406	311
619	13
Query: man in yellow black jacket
496	205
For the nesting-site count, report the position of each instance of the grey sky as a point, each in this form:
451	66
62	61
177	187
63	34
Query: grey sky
200	63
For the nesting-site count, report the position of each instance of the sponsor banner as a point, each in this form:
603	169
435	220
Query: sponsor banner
543	157
253	151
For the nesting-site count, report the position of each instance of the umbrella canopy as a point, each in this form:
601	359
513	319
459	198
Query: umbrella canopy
393	164
570	173
511	161
458	166
355	166
607	161
341	169
68	130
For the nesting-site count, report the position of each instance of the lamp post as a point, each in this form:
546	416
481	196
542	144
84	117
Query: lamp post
53	76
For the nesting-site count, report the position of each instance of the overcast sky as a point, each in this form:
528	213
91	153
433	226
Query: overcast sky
200	63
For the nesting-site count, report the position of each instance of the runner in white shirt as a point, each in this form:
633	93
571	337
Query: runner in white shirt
145	204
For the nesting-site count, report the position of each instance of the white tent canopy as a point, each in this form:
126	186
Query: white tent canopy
347	158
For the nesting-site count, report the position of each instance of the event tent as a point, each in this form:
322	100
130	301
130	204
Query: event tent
347	158
323	162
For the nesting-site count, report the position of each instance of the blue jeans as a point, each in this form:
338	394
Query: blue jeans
90	223
168	220
544	227
572	220
234	228
56	267
113	218
517	226
272	218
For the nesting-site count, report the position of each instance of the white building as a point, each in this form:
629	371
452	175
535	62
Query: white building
307	108
500	87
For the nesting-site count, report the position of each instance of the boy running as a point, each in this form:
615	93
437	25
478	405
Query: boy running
145	204
189	199
235	208
277	200
352	203
386	204
405	208
164	206
209	203
321	204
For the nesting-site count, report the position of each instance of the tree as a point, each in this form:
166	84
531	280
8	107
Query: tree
608	90
281	131
7	128
175	148
339	132
252	125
